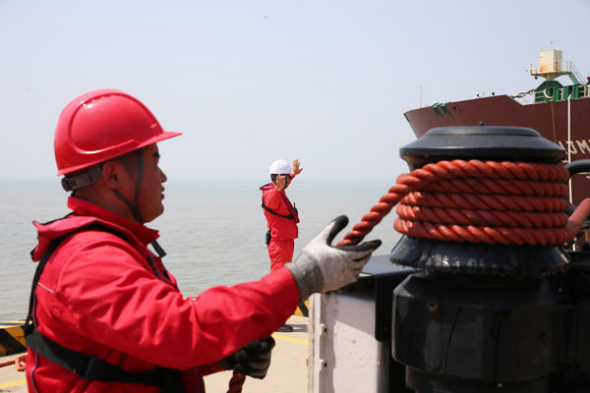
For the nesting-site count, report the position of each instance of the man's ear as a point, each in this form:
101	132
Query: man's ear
111	175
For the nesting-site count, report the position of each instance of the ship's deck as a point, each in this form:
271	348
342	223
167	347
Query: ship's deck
287	373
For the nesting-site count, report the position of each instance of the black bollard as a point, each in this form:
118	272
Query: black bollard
490	318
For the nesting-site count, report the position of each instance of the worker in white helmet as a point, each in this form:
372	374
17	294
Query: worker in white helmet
281	215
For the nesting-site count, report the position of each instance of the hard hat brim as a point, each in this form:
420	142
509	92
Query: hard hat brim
124	150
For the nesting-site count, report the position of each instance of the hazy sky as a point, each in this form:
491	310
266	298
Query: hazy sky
251	81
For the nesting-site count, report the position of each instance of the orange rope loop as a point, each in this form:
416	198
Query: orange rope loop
480	202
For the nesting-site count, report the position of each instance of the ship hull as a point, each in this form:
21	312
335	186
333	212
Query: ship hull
565	123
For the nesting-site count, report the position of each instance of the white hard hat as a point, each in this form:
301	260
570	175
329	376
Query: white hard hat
280	167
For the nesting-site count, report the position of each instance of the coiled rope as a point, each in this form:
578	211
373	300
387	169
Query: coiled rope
480	202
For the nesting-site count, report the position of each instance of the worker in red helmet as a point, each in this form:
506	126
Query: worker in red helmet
105	313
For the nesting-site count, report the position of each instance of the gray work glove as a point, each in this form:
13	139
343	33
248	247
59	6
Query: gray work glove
252	360
322	267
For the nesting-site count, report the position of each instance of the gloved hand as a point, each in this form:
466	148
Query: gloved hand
253	359
322	267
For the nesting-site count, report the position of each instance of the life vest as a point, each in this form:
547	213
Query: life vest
293	214
88	367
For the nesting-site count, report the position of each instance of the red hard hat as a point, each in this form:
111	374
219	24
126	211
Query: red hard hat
101	125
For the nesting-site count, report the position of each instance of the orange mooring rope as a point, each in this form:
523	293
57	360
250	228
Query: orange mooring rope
480	202
236	382
19	362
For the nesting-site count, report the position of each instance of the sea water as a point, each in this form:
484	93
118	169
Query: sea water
213	232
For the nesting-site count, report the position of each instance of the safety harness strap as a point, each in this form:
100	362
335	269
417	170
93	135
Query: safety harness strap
87	367
290	216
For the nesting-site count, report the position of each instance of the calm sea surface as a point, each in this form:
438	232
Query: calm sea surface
213	233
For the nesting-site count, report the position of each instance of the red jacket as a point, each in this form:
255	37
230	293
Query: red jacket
281	228
99	296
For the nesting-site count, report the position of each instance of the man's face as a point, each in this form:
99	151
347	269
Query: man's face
152	190
282	179
287	180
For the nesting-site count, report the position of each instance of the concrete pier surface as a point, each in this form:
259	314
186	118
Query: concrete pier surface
287	373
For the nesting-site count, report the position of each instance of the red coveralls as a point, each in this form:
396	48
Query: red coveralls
99	296
283	231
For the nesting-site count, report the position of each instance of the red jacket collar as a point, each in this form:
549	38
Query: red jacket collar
85	208
86	213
